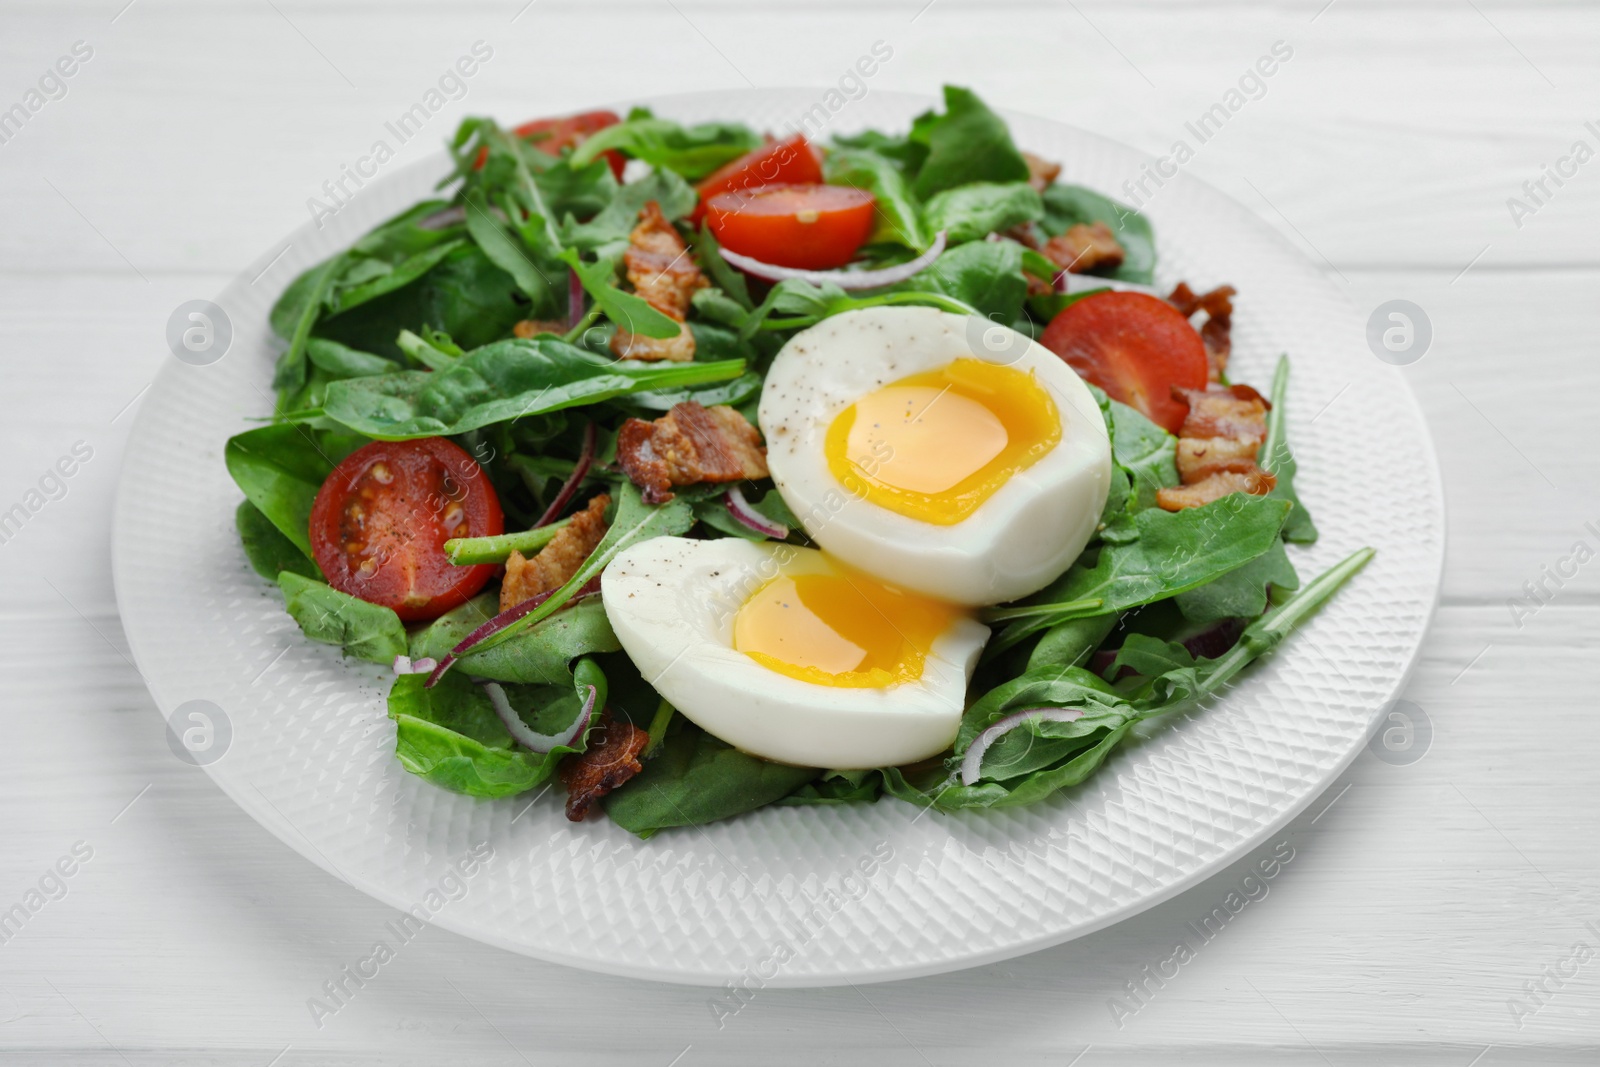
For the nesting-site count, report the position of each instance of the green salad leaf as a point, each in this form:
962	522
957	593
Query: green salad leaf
1070	205
968	143
971	212
366	631
691	151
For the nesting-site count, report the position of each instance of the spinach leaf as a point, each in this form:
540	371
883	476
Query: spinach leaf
451	736
1241	593
366	631
1145	451
627	310
1173	552
986	275
697	779
302	306
509	379
971	212
281	467
1278	458
540	654
465	295
896	217
837	787
905	152
1071	643
1068	205
268	550
692	151
341	361
968	143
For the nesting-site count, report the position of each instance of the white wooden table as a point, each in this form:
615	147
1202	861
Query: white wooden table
1422	898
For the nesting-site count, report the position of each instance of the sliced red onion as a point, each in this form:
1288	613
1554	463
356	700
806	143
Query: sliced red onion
972	763
591	440
405	665
748	516
844	279
531	739
500	622
574	299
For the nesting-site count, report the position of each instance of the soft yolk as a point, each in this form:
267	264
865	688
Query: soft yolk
935	446
839	628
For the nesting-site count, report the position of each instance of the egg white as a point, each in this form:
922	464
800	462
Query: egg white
1017	541
672	602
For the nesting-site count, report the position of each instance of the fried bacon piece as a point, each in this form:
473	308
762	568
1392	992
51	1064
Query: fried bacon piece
610	760
689	444
1236	411
1255	481
1217	332
1041	172
534	327
1218	445
558	560
1200	457
1083	248
665	275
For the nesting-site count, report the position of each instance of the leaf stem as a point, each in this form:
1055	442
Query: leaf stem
470	551
1070	609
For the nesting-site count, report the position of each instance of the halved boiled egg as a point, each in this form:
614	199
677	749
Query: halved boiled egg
942	453
790	655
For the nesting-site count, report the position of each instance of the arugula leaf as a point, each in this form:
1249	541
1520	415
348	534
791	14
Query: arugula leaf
1278	458
509	379
268	550
281	467
971	212
968	143
896	219
1147	453
627	310
512	255
367	631
451	736
540	654
692	151
805	304
697	779
1068	205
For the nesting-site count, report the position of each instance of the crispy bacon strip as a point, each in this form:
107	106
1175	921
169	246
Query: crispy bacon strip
534	327
665	275
1255	481
1083	248
1041	172
1237	411
558	560
1217	332
687	445
1218	445
610	760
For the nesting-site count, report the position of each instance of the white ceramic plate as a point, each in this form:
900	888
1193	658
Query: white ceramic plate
799	896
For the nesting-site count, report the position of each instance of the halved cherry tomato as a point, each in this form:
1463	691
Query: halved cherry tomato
380	521
553	135
791	162
1135	347
813	227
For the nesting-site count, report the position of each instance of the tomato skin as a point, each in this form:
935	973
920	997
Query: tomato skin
1134	346
812	227
553	135
380	521
791	162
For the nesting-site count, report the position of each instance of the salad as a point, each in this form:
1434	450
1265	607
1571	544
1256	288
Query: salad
702	471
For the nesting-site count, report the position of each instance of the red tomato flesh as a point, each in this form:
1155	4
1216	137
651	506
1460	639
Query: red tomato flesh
812	227
551	136
1134	346
380	521
791	162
